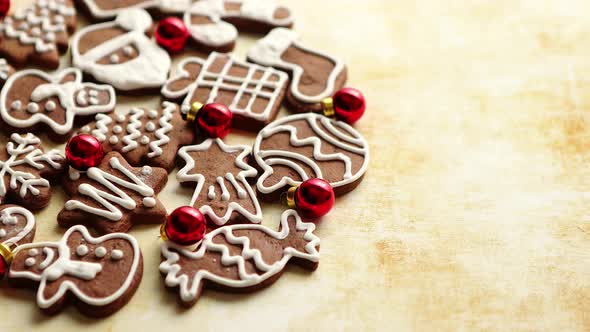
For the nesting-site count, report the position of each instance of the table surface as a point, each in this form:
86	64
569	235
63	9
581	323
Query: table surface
473	214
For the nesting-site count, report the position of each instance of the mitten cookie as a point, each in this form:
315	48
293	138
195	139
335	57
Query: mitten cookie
144	137
113	196
303	146
38	34
107	9
253	93
220	173
17	225
314	74
119	53
32	99
26	171
100	275
214	24
240	258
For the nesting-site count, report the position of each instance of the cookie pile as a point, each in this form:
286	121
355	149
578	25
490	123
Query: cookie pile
114	164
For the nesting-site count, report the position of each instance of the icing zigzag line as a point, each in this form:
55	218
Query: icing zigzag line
132	129
102	121
165	127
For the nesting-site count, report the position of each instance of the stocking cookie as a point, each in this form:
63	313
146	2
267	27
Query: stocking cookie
17	225
119	53
144	137
99	274
107	9
239	258
32	99
38	34
26	171
303	146
253	93
114	196
220	174
214	24
314	74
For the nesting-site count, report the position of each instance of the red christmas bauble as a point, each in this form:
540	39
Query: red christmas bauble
84	151
214	120
314	198
185	226
171	33
3	268
4	7
349	105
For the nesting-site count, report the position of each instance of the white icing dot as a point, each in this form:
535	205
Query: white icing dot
30	261
33	252
32	107
50	106
100	252
152	114
94	101
85	129
117	129
120	118
35	32
185	108
74	174
114	58
128	50
93	93
144	140
116	255
16	105
82	250
150	126
113	140
2	232
149	202
146	170
49	37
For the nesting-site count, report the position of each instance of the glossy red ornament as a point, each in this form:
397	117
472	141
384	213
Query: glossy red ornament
84	151
4	7
314	198
214	120
171	33
349	105
3	268
185	226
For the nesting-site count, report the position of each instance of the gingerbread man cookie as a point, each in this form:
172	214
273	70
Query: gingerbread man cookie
315	75
253	93
239	258
120	53
32	99
113	196
107	9
17	225
38	34
144	137
214	24
303	146
99	274
26	171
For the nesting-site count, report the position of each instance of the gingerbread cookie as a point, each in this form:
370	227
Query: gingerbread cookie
119	53
100	275
315	75
26	171
17	225
32	99
303	146
144	137
107	9
214	24
253	93
220	174
113	196
38	34
239	258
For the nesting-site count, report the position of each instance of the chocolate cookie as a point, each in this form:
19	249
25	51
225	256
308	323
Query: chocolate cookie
120	53
314	75
100	275
303	146
17	225
220	173
108	9
214	24
239	258
144	137
38	34
32	100
26	171
253	93
114	196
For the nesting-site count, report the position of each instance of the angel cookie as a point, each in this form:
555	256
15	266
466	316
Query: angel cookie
239	258
253	93
32	99
107	9
214	24
17	225
121	54
38	34
144	136
303	146
113	196
315	75
100	275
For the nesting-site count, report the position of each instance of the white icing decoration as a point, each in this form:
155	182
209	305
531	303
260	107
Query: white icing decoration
211	193
30	261
32	107
49	256
144	140
150	126
50	106
16	105
164	6
65	92
120	118
102	122
106	199
189	288
116	254
128	50
33	252
117	129
347	138
152	114
223	81
93	93
85	129
149	69
64	265
268	51
4	69
149	202
82	250
162	133
74	174
113	140
8	217
100	252
146	170
114	59
2	233
190	173
133	132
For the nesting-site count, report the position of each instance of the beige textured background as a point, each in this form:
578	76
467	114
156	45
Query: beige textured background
473	215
